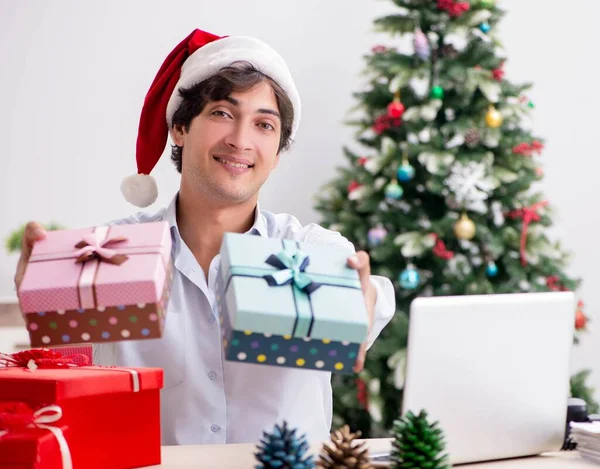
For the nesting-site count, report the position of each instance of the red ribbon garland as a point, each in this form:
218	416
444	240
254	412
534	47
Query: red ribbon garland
43	358
528	214
440	249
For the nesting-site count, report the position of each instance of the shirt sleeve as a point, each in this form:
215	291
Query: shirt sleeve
385	304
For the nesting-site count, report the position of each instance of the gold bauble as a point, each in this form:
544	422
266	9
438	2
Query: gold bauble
493	118
464	228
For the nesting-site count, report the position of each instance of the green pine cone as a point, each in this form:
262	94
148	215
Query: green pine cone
418	444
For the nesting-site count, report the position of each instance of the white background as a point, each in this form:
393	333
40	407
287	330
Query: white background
73	76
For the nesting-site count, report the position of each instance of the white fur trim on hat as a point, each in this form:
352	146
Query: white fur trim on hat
211	57
139	189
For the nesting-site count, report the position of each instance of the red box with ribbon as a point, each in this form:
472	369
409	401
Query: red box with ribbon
95	417
31	439
98	284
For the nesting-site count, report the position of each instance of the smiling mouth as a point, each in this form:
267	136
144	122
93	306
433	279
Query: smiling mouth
230	163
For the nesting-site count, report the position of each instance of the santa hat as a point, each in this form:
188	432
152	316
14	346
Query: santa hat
196	58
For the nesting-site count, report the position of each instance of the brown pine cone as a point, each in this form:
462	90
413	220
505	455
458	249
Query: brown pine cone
345	453
448	51
472	138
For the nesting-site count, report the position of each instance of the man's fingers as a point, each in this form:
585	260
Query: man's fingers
362	263
33	232
360	360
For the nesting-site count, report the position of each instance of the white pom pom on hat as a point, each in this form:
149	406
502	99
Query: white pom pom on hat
198	57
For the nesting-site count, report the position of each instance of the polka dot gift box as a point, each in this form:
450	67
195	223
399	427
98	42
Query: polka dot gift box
98	284
284	303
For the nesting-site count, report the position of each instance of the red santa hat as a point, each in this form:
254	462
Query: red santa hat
196	58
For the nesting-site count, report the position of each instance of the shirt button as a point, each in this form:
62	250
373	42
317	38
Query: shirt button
212	318
212	375
214	428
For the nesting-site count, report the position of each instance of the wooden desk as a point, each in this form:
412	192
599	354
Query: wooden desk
241	456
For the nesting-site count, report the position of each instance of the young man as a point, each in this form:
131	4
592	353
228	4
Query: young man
231	108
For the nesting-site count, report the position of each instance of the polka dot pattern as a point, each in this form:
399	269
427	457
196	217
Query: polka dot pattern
324	355
104	324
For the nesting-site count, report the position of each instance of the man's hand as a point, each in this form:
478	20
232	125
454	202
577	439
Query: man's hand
362	263
33	232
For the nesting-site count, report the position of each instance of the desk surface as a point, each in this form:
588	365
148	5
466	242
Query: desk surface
241	456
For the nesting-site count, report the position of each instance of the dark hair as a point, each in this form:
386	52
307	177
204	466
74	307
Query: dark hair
239	76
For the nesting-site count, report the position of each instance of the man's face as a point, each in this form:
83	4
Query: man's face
231	146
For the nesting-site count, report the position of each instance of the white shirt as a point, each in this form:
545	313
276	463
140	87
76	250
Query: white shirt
205	399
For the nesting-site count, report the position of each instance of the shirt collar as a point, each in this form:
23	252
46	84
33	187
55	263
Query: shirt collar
258	228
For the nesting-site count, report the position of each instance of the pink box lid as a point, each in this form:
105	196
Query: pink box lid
54	284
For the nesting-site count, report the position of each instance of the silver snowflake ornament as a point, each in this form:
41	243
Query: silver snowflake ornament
469	185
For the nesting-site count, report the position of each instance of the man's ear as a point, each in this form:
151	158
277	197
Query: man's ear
177	134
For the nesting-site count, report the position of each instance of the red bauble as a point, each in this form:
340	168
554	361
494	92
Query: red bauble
395	109
580	320
498	74
353	186
362	161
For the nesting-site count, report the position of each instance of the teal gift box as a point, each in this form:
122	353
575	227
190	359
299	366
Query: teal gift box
285	303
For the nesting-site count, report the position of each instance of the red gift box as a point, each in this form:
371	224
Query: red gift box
112	413
32	440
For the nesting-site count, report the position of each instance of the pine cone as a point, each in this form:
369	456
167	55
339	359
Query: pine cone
448	51
418	443
472	138
282	449
345	453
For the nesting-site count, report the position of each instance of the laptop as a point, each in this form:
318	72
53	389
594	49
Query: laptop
493	370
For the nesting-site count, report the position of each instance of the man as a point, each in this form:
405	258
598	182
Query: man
231	108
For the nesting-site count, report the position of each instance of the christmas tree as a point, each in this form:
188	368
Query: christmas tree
440	189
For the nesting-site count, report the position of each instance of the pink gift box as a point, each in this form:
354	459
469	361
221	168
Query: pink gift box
98	284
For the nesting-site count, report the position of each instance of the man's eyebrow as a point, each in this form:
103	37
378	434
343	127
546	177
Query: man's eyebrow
235	102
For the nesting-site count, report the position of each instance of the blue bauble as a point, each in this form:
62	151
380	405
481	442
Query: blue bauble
393	191
406	172
491	270
485	27
410	278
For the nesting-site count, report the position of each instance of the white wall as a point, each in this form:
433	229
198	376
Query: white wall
74	74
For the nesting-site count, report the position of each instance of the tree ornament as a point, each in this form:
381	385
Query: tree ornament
395	109
464	228
393	191
580	318
440	250
345	452
283	449
410	278
492	269
421	45
493	118
485	27
352	186
472	138
437	92
449	51
418	443
376	235
406	171
498	73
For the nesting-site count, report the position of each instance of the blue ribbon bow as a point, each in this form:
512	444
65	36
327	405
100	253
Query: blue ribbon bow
292	267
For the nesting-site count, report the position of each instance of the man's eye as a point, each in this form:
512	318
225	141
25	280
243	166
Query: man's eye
220	114
266	126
